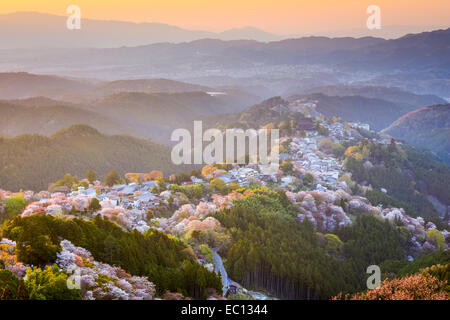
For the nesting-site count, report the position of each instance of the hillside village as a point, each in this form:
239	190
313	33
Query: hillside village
313	179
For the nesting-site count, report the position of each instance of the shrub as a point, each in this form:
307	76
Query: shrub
94	205
49	284
13	206
437	238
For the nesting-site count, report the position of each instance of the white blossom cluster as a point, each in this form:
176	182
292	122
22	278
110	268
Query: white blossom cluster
100	281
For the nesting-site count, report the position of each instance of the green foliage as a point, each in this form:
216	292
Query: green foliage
442	272
192	192
308	179
154	254
377	197
334	244
437	238
91	176
49	284
403	267
94	205
285	146
334	148
37	246
322	131
67	181
206	252
392	172
112	178
435	174
268	247
14	206
84	184
11	288
161	183
287	167
218	185
370	241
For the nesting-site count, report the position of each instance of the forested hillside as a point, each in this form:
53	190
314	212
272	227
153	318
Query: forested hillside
167	261
34	161
271	252
45	116
407	175
427	127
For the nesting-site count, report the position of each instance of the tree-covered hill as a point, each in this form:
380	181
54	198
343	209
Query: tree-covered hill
427	127
45	116
34	161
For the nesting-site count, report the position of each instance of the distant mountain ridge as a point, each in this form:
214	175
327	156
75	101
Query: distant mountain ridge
393	94
34	29
378	113
110	107
415	62
24	85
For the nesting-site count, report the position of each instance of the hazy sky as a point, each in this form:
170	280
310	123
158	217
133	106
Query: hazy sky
277	16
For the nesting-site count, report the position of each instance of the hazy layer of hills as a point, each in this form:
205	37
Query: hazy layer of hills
379	113
33	29
415	62
153	108
159	114
397	95
144	115
146	108
34	161
273	110
23	85
427	127
19	118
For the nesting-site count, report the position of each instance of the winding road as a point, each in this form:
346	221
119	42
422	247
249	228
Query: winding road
223	273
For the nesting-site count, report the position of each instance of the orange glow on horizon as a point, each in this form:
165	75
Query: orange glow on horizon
282	17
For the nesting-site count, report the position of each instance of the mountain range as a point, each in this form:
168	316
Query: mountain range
34	29
415	62
377	112
153	108
399	96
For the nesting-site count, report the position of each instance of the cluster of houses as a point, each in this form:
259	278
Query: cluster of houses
305	156
130	196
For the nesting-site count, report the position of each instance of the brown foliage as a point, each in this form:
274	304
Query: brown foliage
420	286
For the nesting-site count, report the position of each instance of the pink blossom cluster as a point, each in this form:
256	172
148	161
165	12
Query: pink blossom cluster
226	202
9	258
117	214
189	218
321	208
418	228
57	205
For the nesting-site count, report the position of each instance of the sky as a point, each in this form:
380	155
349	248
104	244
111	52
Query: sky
276	16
